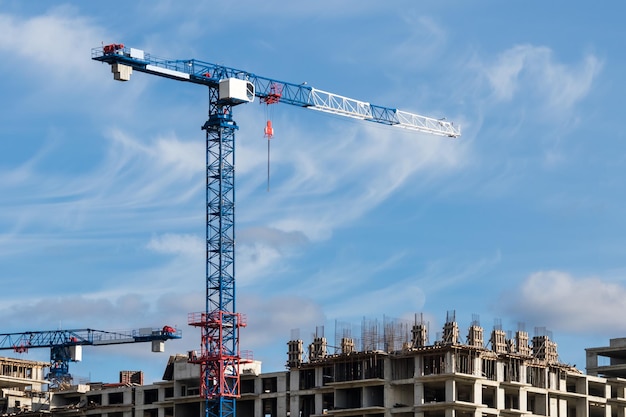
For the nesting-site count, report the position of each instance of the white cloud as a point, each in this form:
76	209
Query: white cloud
262	251
162	162
184	157
529	68
77	312
503	75
54	44
269	318
559	300
170	243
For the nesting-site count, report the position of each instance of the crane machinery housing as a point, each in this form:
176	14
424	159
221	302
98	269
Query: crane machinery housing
220	354
66	345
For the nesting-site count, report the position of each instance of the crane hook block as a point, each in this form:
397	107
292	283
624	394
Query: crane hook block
269	130
235	91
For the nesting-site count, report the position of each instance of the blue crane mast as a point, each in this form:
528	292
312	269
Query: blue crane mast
219	324
66	345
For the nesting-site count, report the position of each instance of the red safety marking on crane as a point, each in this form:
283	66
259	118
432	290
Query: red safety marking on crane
273	97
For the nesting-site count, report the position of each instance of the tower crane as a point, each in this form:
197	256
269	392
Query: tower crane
220	358
66	345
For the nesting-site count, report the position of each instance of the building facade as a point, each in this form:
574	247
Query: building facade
22	386
450	378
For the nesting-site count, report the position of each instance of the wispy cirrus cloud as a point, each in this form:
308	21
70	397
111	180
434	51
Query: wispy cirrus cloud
424	42
528	69
130	176
356	167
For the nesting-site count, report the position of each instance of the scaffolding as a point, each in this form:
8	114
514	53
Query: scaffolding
393	335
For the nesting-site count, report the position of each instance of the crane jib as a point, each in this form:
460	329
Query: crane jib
51	338
122	59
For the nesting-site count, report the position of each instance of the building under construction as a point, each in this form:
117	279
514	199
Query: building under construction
392	369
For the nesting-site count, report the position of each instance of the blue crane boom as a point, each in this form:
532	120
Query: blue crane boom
302	95
219	358
65	345
83	337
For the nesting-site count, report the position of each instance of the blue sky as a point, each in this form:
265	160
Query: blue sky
519	221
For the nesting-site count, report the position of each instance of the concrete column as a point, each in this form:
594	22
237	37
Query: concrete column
553	407
582	407
523	374
419	366
478	393
449	362
294	405
592	363
418	391
523	400
281	405
499	398
476	367
294	380
258	405
319	404
139	397
500	371
450	391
